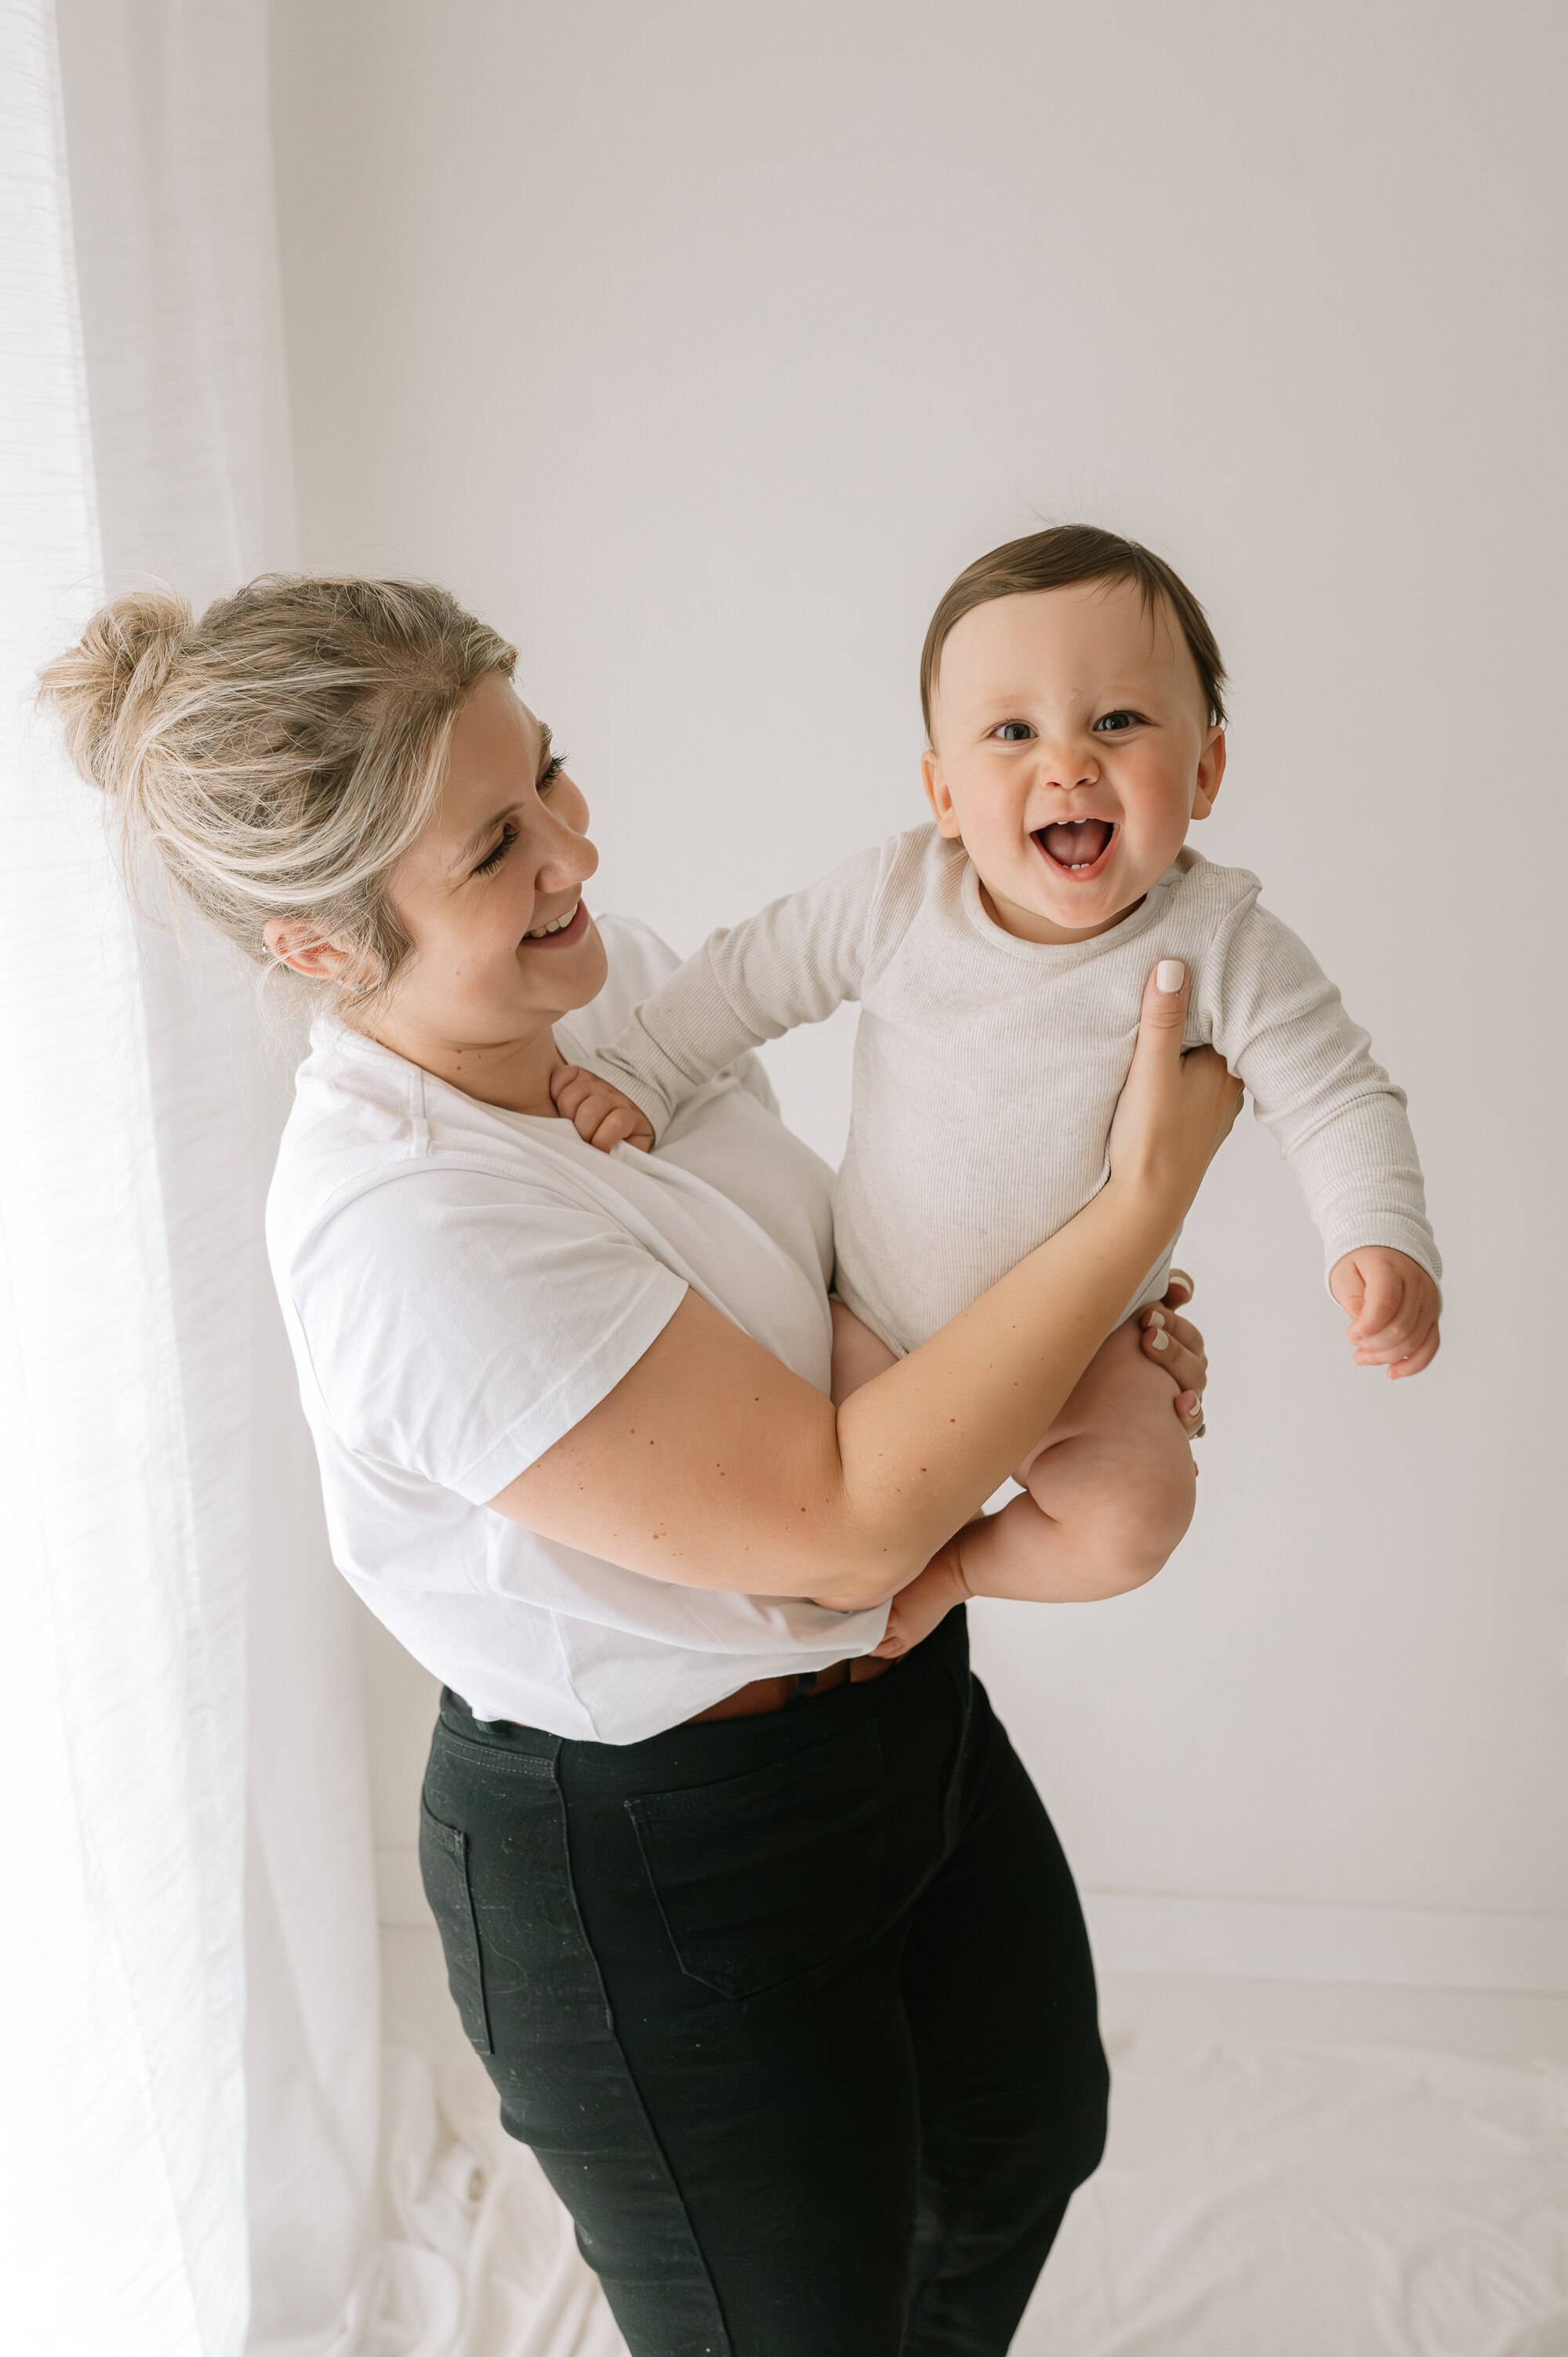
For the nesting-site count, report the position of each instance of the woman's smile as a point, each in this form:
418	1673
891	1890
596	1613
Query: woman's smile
560	933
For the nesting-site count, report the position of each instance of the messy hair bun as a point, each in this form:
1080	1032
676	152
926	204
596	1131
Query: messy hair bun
281	754
113	678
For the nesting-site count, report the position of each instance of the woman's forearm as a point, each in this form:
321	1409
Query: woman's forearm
923	1446
710	1465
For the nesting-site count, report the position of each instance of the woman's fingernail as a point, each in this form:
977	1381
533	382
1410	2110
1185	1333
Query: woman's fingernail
1156	1317
1162	1341
1169	975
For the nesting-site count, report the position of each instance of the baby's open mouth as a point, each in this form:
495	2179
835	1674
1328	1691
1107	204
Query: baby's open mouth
1077	845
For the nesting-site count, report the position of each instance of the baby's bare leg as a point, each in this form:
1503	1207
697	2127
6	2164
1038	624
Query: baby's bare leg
857	1353
1109	1490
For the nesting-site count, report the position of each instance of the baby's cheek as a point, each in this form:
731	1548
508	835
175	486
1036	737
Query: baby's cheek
1154	827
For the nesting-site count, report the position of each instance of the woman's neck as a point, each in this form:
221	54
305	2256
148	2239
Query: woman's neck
514	1074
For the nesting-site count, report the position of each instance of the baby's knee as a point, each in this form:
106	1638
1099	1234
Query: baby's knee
1161	1481
1142	1514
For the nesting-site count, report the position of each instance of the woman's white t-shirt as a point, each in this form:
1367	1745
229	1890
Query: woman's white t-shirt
461	1284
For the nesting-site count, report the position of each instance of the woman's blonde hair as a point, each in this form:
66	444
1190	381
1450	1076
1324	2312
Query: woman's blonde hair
281	753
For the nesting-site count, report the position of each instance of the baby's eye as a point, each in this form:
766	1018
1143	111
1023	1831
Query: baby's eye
1114	723
1014	732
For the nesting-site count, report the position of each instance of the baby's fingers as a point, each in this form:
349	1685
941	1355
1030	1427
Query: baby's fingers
1376	1317
1421	1356
569	1085
599	1117
623	1125
1400	1324
1407	1335
599	1114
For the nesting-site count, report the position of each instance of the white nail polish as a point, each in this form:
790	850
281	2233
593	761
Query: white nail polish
1162	1341
1169	975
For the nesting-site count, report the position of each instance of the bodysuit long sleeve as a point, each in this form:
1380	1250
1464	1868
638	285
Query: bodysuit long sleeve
987	1068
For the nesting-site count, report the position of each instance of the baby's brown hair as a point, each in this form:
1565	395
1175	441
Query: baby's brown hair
1053	560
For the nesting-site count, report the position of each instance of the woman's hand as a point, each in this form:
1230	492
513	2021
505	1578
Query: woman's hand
1175	1346
1175	1111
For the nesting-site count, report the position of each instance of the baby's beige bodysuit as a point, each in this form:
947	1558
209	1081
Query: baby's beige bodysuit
987	1068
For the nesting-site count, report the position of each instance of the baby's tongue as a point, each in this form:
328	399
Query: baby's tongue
1077	842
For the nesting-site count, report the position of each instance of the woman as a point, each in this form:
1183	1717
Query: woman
774	1959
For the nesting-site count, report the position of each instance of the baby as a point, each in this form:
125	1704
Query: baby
1073	697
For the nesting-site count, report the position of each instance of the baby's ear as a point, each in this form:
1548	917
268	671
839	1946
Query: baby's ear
939	797
1210	771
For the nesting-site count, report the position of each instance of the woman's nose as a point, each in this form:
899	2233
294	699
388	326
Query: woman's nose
569	858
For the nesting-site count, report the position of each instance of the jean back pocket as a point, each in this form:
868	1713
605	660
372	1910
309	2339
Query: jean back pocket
444	1865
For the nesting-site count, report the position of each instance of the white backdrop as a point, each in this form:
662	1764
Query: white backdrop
698	347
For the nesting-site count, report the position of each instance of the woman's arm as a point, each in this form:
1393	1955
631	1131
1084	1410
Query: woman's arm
710	1465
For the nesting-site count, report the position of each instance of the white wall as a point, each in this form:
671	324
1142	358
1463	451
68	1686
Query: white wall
698	346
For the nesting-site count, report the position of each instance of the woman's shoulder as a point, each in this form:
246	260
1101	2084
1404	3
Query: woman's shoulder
363	1116
357	1111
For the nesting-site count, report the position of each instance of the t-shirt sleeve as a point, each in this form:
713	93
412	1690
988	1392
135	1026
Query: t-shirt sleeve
459	1324
793	963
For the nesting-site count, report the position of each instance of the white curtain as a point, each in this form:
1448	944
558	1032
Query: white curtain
189	2009
159	1489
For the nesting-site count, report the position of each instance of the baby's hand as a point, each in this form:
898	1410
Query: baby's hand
598	1112
1393	1305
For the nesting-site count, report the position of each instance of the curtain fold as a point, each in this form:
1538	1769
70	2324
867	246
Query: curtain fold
165	1519
122	2009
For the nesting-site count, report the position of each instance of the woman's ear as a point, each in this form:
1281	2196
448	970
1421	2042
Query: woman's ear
1211	770
939	797
295	942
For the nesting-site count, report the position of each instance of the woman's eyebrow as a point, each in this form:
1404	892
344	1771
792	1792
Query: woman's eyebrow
480	835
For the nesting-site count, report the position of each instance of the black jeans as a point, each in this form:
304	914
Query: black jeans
796	2011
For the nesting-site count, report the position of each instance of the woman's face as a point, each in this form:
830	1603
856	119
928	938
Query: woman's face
502	863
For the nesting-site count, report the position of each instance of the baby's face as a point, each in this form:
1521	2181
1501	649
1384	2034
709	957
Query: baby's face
1073	750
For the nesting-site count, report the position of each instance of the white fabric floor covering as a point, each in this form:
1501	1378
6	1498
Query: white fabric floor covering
1316	2201
478	2257
1260	2201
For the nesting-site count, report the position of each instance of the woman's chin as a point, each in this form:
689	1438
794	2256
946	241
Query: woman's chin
566	978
